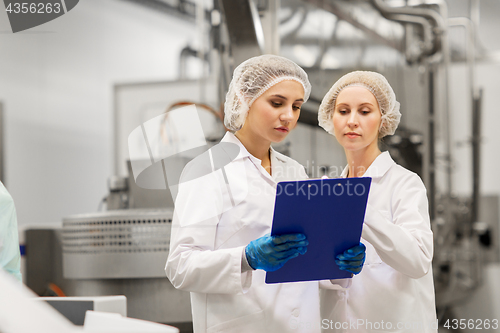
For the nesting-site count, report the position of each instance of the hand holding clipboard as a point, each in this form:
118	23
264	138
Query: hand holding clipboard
330	212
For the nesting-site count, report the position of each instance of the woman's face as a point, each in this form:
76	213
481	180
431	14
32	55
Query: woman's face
275	113
356	119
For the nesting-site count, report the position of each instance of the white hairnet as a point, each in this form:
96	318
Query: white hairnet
254	77
378	85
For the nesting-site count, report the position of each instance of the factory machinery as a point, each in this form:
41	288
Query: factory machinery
122	249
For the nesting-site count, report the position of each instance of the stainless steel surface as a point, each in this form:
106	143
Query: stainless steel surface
118	244
118	197
140	198
270	23
244	28
117	183
152	299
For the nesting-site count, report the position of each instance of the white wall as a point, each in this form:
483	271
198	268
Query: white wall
56	85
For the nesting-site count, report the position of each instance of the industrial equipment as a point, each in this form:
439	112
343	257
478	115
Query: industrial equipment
123	249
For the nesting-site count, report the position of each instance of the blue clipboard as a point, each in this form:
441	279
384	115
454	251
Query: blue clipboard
330	212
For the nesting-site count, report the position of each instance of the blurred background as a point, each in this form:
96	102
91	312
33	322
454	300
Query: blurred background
73	89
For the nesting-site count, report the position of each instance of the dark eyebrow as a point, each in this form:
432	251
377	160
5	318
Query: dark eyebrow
362	104
283	97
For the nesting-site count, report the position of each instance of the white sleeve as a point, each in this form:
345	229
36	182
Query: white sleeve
10	256
193	263
406	242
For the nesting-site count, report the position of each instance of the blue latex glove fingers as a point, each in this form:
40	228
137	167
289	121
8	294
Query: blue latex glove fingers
356	250
352	269
284	243
278	264
302	250
344	257
287	253
350	263
353	259
281	255
290	245
271	253
281	239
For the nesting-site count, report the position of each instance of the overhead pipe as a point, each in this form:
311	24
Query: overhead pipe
438	29
427	44
440	24
341	14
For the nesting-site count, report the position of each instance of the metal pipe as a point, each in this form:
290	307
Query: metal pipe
335	9
164	7
185	53
427	44
201	31
445	49
468	25
476	155
292	35
432	154
439	28
474	12
429	13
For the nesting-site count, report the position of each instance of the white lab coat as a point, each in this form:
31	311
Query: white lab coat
10	256
396	283
214	220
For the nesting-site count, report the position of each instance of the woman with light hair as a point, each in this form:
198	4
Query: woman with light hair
395	291
220	247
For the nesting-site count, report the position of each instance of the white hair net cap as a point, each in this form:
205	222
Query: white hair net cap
378	85
254	77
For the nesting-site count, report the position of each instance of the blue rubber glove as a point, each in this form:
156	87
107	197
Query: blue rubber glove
272	252
352	260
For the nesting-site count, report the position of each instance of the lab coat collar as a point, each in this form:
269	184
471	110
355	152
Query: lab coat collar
276	160
378	168
230	137
278	167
